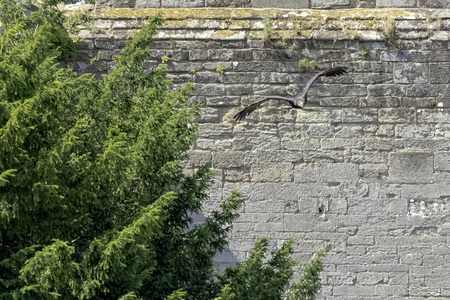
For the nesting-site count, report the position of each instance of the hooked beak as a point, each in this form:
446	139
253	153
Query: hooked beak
302	105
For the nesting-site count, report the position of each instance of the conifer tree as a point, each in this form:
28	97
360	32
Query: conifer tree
93	200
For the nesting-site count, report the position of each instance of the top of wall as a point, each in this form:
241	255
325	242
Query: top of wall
314	4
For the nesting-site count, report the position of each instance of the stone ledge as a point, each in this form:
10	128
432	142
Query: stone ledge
287	24
328	4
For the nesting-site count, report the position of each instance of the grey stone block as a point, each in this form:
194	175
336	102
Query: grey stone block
329	3
391	291
228	3
434	3
338	172
411	73
148	3
182	3
359	115
361	240
115	4
354	290
422	102
299	223
228	159
439	73
281	3
414	131
442	161
397	115
371	278
366	3
305	173
272	172
411	167
396	3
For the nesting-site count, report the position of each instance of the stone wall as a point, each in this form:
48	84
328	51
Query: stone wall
363	170
315	4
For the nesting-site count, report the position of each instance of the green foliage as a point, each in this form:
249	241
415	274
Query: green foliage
165	59
310	283
364	52
77	18
391	36
269	35
219	70
257	279
177	295
94	203
268	31
306	63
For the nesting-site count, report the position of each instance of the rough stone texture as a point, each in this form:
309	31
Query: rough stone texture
182	3
363	170
411	167
281	3
329	3
434	3
396	3
314	4
228	3
148	3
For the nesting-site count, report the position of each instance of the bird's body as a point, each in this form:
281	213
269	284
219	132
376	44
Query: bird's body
297	102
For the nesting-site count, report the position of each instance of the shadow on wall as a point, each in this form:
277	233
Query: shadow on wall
224	259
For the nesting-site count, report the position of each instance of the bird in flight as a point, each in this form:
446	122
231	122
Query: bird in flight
296	102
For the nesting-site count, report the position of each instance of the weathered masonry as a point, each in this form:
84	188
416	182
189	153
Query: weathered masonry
363	171
274	3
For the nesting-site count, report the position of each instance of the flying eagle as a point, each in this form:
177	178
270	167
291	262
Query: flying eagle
296	102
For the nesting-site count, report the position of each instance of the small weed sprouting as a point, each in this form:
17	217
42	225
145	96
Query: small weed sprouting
78	18
192	72
268	35
219	70
307	63
165	59
364	52
391	36
268	32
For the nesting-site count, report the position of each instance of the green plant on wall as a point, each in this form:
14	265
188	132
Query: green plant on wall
219	70
268	31
76	19
269	35
391	36
307	64
165	59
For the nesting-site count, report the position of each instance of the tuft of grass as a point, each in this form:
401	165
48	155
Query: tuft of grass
364	52
391	36
307	63
192	72
78	18
268	32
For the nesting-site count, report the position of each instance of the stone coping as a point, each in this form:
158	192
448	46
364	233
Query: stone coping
286	24
275	13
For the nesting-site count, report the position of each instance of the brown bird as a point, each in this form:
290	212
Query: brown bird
296	102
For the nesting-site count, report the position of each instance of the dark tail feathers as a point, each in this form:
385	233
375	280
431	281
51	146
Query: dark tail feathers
337	71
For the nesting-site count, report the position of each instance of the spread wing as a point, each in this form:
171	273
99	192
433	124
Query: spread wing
337	71
249	109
